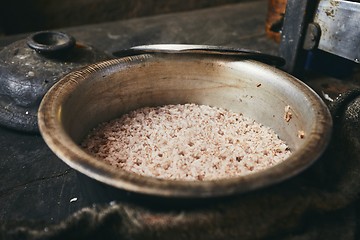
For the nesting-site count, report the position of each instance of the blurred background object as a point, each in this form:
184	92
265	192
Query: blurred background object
275	18
35	15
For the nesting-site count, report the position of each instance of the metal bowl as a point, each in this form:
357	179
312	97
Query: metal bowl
106	90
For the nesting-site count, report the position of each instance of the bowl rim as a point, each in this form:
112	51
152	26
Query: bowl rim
72	154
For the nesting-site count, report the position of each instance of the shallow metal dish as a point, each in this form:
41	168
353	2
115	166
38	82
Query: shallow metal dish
104	91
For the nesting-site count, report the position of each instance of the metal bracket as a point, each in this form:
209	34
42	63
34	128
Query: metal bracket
297	16
312	36
339	21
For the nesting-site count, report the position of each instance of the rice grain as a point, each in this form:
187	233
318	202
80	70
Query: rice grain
186	142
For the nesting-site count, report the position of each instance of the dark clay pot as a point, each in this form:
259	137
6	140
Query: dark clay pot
29	67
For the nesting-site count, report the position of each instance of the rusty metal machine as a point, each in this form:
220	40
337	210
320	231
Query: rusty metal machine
325	31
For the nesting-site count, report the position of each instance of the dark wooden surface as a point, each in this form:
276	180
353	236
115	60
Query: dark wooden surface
35	184
65	13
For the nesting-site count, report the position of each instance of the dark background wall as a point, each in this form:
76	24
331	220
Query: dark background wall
18	16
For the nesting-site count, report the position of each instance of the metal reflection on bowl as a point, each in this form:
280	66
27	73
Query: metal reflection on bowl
106	90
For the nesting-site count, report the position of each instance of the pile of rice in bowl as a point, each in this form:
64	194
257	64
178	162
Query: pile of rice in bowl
186	142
